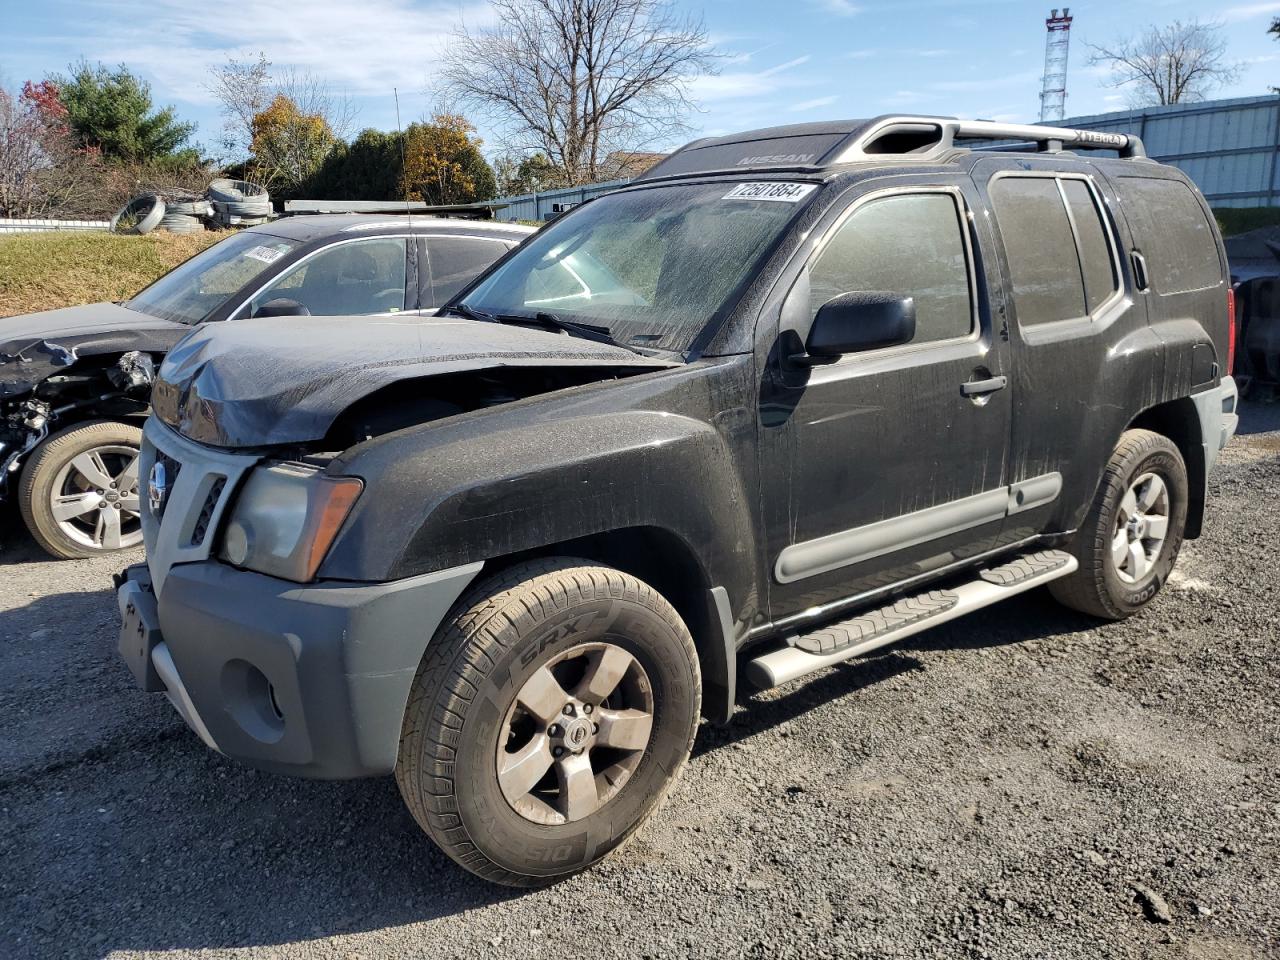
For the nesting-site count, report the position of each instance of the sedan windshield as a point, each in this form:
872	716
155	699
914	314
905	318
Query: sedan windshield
192	291
651	267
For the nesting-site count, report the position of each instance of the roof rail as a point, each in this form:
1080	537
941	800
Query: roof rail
932	135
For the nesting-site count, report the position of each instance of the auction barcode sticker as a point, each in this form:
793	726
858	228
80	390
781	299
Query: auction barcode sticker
781	192
265	254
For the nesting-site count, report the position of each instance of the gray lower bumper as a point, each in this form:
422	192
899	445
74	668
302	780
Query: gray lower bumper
1218	418
307	680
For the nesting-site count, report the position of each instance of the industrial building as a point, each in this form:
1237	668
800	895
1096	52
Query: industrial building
1228	147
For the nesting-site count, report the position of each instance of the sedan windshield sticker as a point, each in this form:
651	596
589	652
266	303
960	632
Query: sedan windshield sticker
265	254
781	192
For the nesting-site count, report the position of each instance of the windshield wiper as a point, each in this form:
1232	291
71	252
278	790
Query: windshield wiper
462	310
545	320
549	321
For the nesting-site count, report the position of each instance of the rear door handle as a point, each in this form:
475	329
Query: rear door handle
976	388
1140	279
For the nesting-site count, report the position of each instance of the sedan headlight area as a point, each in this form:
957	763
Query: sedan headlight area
285	519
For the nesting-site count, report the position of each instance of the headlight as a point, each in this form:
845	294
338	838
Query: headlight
285	519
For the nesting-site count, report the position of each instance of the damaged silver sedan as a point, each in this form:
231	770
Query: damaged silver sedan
75	383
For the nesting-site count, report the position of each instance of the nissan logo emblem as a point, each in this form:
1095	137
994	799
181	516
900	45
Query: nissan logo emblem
157	487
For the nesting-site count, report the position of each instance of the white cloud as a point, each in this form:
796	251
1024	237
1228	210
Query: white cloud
364	49
736	84
1248	11
840	8
813	104
860	54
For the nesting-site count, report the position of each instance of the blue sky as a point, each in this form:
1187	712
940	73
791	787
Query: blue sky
784	63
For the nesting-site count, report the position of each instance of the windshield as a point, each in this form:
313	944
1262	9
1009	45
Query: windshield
192	291
653	266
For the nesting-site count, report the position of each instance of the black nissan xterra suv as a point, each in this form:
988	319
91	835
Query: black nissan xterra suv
792	395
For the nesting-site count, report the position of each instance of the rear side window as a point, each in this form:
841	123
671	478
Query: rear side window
1096	261
1044	270
456	261
911	245
1174	234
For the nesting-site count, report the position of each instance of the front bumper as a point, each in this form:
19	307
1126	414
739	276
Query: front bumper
310	680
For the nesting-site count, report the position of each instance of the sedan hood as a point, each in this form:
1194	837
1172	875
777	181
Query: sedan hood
250	383
34	346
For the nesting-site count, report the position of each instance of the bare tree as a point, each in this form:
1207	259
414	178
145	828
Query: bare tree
579	79
247	88
1178	63
243	89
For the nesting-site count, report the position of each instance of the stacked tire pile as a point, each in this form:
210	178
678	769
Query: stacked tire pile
227	203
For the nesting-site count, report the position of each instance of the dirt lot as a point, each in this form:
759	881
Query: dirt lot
994	788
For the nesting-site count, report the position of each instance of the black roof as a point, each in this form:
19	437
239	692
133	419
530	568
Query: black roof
318	226
818	147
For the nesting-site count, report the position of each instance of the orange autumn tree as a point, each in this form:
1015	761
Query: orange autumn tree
288	145
443	163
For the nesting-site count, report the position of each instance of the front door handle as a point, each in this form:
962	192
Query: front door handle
976	388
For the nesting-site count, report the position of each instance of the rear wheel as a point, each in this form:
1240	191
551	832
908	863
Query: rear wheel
1132	534
548	720
79	491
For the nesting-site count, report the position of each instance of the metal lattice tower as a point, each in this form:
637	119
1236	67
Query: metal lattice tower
1053	94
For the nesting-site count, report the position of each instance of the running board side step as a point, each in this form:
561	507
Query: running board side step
903	618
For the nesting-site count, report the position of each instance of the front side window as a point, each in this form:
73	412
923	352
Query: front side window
347	279
654	266
191	292
911	245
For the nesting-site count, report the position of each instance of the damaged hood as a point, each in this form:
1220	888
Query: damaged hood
252	383
34	346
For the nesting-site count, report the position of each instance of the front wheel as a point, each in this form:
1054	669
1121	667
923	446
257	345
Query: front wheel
79	490
548	720
1131	536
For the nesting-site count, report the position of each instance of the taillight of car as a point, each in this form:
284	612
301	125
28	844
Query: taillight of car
1231	330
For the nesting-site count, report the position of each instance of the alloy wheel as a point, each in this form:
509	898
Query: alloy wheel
575	734
94	498
1142	526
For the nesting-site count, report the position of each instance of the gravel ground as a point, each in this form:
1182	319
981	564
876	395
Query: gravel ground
1024	783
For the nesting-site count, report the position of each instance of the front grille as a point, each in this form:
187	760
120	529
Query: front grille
201	529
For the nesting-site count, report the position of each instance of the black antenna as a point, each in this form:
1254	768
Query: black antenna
404	164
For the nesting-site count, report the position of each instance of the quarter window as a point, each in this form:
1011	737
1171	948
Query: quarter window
1180	247
911	245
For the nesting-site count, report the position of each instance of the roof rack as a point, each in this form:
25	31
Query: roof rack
933	135
812	147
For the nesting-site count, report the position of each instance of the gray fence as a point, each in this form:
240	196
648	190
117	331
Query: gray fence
542	206
33	226
1228	147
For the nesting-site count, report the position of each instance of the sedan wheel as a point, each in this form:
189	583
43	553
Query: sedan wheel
80	490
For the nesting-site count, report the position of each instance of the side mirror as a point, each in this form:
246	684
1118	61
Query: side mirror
859	321
282	307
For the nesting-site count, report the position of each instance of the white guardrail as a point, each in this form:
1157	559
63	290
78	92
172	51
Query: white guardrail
8	225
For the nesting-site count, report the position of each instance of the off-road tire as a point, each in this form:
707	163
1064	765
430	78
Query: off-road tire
1096	587
500	633
41	469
